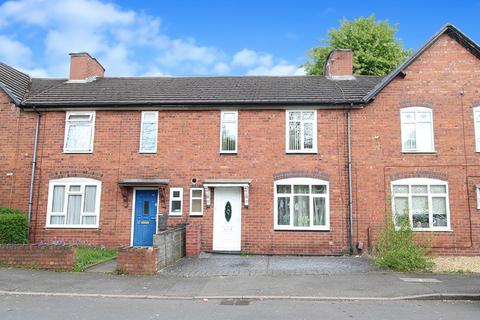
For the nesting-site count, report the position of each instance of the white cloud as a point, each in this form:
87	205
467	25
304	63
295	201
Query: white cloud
126	42
281	69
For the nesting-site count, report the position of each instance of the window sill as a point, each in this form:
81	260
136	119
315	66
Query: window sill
420	152
302	229
301	152
77	152
428	230
196	215
71	227
147	152
228	153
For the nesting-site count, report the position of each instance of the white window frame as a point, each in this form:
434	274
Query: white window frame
235	112
287	132
192	213
141	131
476	126
416	110
180	198
477	189
68	123
422	181
67	182
302	181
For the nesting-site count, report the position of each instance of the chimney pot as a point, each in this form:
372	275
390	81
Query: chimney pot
339	64
83	66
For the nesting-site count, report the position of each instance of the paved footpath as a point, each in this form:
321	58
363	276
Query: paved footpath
341	286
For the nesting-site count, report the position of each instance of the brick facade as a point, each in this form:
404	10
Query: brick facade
445	78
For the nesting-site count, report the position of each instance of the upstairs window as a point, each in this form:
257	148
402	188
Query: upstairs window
73	203
476	119
424	202
148	132
228	131
79	129
301	132
417	129
301	204
176	201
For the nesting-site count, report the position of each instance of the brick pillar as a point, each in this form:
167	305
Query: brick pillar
193	240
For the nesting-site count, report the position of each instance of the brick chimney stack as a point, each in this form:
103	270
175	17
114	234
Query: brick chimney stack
84	67
339	64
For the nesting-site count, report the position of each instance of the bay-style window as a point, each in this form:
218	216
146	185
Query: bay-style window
301	131
417	129
79	130
73	203
148	132
228	131
176	201
423	201
301	204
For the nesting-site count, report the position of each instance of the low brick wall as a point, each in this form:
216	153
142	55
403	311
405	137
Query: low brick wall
53	257
171	245
193	240
137	260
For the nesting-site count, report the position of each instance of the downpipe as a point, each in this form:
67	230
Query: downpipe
350	189
34	165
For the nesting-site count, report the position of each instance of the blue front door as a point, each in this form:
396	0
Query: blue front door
145	218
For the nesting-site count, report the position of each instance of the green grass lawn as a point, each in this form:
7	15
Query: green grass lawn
87	256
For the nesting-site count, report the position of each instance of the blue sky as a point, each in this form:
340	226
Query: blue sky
229	37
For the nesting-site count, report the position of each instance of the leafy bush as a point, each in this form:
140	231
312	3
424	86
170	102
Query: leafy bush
396	249
13	226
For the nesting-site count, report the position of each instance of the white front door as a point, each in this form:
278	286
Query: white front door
227	219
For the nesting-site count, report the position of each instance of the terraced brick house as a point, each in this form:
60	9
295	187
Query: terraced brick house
270	165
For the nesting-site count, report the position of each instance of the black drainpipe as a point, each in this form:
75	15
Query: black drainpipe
34	164
350	191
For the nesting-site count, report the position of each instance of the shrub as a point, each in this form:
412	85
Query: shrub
396	249
13	226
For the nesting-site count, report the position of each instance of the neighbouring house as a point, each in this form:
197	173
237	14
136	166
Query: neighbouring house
271	165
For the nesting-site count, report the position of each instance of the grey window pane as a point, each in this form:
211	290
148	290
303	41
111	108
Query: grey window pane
320	189
57	220
420	218
197	193
149	137
294	137
401	210
90	198
176	194
301	211
78	137
196	205
296	115
419	189
301	189
424	137
229	139
319	212
410	137
74	188
284	189
176	206
439	210
149	117
283	210
308	115
438	189
73	209
308	136
58	198
89	220
400	189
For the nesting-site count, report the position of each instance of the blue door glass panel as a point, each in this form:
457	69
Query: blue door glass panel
145	218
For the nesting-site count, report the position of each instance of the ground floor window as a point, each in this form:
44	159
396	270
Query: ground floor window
73	203
301	204
424	202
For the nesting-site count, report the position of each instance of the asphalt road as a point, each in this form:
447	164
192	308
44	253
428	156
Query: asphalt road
52	308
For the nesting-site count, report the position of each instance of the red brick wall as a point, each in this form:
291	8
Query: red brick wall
41	256
133	260
16	149
193	240
446	79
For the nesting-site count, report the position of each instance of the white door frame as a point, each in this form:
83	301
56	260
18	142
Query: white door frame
239	190
132	220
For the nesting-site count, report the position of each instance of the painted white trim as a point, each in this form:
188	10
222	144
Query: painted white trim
287	132
476	126
428	182
142	120
301	181
478	196
67	182
432	133
132	220
175	214
236	130
67	125
196	198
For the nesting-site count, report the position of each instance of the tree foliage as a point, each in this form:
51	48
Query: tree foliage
376	50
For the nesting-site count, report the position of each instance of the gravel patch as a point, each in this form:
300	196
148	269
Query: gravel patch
457	264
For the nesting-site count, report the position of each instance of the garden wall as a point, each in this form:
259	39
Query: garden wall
171	245
53	257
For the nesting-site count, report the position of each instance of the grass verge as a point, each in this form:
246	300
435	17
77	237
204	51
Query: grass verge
88	256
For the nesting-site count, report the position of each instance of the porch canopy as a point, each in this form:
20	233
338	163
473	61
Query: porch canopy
242	183
138	182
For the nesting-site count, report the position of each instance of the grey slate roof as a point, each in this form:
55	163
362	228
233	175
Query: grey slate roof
13	82
204	91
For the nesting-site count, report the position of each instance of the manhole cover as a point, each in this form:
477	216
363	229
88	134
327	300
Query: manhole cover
235	302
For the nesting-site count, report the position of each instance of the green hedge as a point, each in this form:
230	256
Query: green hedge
13	226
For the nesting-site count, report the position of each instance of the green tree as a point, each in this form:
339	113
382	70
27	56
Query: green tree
376	50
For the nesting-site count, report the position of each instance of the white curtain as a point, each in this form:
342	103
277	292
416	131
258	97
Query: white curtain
58	198
73	209
90	195
319	211
301	211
